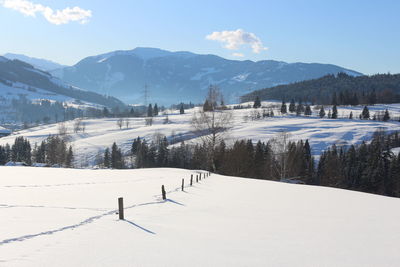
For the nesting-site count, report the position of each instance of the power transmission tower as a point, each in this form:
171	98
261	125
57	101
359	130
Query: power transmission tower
146	94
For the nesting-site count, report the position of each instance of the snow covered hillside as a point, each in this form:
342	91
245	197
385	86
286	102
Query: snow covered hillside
19	79
39	63
8	93
322	133
67	217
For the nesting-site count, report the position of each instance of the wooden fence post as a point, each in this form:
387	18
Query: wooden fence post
164	194
121	208
197	178
183	183
191	179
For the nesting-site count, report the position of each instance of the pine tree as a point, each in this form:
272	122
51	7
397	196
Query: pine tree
257	102
386	117
292	106
141	160
155	110
334	112
150	111
182	110
135	146
322	112
107	159
283	108
116	157
299	109
309	164
351	115
40	153
69	158
308	112
21	151
365	113
207	106
162	155
259	161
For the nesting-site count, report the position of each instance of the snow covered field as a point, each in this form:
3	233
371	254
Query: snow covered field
101	133
66	217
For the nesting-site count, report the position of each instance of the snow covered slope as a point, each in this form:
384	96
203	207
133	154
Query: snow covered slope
66	217
18	78
322	133
39	63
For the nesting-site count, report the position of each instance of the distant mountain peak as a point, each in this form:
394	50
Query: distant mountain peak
175	77
144	53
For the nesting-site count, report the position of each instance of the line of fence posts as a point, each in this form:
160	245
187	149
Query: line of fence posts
163	192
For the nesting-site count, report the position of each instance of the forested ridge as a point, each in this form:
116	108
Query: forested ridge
349	90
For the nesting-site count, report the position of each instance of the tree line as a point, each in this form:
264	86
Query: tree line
368	167
53	151
340	89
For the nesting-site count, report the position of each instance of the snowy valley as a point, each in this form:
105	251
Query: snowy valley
321	132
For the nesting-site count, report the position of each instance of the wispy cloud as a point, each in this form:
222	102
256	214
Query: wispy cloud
57	17
238	55
233	40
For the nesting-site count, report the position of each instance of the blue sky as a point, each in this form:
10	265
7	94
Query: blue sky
360	35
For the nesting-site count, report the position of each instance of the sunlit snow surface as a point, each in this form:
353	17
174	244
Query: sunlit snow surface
66	217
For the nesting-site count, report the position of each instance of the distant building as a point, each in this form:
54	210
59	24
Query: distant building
4	132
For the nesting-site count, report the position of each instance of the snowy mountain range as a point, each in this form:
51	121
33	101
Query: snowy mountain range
18	78
183	76
38	63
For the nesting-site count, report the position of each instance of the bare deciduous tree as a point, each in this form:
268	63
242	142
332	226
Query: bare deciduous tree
120	122
62	129
77	125
212	124
279	145
149	121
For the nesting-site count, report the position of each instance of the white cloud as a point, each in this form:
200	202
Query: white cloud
53	16
235	39
238	55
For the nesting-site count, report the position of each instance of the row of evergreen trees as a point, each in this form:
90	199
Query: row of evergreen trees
366	167
332	114
52	151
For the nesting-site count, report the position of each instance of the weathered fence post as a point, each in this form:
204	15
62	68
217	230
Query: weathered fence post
183	183
191	179
164	194
121	208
